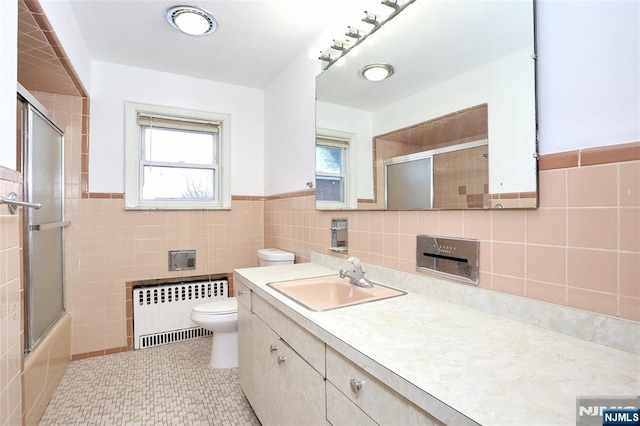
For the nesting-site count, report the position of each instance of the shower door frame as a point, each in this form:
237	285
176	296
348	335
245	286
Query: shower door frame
32	107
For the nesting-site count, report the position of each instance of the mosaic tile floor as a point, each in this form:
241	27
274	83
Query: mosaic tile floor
164	385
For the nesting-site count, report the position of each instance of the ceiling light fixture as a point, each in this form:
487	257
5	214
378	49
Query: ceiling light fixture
191	20
376	72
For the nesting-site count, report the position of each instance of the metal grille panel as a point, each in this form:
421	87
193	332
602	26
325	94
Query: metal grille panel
162	313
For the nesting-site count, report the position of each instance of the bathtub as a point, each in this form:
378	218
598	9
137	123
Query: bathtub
44	369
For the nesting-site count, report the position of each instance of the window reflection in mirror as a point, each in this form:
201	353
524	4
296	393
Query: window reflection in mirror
330	171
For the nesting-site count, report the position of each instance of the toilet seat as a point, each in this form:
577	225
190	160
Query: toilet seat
228	305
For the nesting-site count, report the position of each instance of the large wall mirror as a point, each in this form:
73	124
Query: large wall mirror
454	126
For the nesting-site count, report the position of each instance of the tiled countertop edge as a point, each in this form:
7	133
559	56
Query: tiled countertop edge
600	329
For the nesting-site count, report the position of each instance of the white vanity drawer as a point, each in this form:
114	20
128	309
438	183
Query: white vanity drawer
377	400
342	412
242	293
307	345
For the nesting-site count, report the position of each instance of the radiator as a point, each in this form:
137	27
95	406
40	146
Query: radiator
162	313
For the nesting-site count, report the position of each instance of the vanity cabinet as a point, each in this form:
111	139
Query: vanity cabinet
291	377
304	343
341	411
246	367
288	391
243	294
245	336
282	385
366	398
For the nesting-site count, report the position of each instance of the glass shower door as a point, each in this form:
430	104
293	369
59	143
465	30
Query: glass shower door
44	262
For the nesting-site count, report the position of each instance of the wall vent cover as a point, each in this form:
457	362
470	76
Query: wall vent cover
452	258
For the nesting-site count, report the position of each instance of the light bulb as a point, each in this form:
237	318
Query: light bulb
192	23
191	20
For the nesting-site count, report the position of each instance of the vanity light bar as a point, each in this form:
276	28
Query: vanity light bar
358	35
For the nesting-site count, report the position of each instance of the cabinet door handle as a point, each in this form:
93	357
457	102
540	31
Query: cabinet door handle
281	359
274	348
241	292
356	385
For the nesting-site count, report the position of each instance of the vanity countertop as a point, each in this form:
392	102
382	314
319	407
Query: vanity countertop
450	359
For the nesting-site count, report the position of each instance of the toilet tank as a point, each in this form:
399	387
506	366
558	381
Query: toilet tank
273	256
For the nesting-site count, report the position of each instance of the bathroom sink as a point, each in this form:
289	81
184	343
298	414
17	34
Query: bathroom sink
331	292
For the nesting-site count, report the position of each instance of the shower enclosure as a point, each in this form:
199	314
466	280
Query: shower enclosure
43	253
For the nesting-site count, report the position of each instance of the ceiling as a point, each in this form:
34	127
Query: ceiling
40	67
430	42
253	42
257	38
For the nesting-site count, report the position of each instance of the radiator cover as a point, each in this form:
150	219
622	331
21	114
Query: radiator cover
162	313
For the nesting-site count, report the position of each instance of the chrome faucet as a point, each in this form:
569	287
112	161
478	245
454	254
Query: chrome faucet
355	273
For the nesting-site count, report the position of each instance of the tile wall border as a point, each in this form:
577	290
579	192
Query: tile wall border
591	156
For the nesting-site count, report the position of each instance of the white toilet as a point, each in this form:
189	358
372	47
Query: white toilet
273	257
221	316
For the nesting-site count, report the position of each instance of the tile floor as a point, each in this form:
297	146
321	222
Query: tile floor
164	385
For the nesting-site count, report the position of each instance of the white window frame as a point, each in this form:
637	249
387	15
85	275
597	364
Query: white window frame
348	141
134	160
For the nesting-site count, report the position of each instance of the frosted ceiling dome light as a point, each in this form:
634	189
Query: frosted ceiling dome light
191	20
376	72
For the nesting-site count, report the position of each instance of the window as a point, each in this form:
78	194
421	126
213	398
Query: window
176	159
332	186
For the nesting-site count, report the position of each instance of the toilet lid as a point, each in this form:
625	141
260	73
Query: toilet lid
221	306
